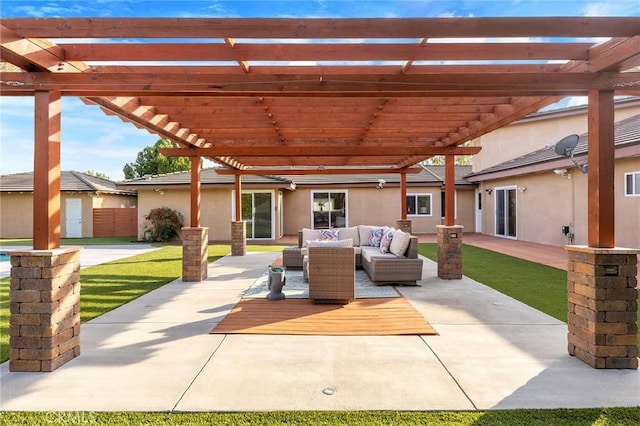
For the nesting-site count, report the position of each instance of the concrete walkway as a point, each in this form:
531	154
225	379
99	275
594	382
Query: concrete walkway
155	354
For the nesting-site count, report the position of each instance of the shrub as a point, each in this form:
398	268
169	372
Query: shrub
165	223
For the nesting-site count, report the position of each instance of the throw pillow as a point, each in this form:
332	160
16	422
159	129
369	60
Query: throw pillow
399	243
375	237
385	242
329	234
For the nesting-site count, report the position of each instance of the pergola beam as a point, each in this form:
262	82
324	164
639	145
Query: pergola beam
318	171
334	151
318	84
324	28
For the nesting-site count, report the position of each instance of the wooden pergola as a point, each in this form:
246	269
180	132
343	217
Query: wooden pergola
297	96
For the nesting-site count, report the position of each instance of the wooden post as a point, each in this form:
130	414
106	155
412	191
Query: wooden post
449	190
46	176
601	162
238	197
195	192
403	195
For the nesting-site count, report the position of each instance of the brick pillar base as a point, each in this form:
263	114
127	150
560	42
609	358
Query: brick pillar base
404	225
44	295
238	238
195	243
603	306
450	252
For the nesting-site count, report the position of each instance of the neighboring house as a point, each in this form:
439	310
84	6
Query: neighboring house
273	206
89	206
542	197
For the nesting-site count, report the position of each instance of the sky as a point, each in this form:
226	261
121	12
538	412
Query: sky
94	141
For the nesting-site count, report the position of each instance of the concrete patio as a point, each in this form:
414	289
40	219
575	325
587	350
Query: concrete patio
155	354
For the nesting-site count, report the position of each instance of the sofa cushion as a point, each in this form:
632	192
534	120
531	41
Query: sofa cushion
329	234
328	243
375	236
351	232
370	252
399	243
309	235
365	233
385	242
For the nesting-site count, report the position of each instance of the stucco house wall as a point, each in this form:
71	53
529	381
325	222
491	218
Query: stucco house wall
13	225
16	212
215	209
371	206
551	201
536	131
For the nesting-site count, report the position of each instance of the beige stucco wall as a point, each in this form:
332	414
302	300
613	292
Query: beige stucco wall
215	209
528	135
114	201
371	206
551	201
16	212
16	215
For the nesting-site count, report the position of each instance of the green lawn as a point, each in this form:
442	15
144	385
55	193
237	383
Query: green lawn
560	417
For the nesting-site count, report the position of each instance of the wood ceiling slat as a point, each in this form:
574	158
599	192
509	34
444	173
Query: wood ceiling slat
324	28
329	70
105	84
324	52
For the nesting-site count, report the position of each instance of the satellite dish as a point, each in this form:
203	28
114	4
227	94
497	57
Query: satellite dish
566	145
565	148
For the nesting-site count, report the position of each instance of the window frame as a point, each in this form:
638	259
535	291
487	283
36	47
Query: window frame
416	196
635	189
331	222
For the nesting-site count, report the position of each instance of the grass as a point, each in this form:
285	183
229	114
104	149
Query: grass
112	284
556	417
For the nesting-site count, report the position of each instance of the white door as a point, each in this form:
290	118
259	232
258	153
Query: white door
74	218
479	212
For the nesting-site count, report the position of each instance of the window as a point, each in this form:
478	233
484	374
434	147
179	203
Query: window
329	209
632	184
419	204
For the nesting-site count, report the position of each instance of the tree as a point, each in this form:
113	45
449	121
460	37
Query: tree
438	160
150	162
97	174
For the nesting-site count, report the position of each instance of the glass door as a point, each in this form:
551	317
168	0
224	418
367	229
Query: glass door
257	209
329	210
506	209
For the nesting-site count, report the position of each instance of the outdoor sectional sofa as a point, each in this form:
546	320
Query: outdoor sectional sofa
396	262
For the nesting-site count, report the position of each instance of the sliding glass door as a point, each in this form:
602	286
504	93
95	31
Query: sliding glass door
506	212
257	212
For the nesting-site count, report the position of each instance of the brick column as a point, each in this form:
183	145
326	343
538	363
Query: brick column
450	252
404	225
195	243
44	324
238	238
603	306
